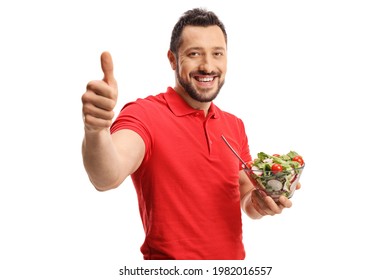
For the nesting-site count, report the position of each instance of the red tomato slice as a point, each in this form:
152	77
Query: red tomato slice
299	160
276	168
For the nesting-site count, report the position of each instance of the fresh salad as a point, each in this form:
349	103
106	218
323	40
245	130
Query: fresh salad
276	174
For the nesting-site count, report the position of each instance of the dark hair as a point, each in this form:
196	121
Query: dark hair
194	17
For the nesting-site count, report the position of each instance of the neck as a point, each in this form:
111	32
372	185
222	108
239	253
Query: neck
205	106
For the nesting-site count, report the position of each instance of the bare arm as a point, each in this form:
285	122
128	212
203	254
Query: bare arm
108	159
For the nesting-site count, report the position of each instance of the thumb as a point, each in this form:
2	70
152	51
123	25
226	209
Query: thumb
108	68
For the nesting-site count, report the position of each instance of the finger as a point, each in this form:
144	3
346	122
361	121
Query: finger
260	204
261	211
285	202
108	68
96	123
90	109
271	204
102	88
99	98
298	186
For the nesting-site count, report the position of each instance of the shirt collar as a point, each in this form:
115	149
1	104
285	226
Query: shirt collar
180	108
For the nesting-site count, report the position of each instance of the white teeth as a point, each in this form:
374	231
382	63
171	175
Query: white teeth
205	79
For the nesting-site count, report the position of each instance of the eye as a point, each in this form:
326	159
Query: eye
218	54
194	54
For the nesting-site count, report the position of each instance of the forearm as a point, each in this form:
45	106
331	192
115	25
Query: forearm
247	206
101	159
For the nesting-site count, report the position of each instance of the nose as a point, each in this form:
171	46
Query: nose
206	64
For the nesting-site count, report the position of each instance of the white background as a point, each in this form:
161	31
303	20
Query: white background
311	76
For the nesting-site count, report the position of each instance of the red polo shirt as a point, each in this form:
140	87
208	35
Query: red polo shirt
187	184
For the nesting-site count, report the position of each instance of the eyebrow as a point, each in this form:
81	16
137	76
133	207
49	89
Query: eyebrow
220	48
199	48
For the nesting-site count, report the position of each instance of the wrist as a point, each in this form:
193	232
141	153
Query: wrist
247	205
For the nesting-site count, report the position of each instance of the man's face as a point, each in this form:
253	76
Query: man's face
201	62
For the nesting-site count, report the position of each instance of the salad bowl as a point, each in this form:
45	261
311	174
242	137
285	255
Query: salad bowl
275	175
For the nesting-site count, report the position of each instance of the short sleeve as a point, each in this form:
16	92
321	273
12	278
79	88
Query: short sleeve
133	117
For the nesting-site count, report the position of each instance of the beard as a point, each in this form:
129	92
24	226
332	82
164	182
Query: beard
200	96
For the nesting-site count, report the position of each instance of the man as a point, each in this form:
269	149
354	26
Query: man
190	186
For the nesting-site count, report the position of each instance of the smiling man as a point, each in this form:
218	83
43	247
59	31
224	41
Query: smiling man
200	64
190	187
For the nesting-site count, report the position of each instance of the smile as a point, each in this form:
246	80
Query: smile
204	79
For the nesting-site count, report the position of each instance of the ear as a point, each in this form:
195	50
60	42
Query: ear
172	59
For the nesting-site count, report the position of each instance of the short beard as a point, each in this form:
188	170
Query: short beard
194	94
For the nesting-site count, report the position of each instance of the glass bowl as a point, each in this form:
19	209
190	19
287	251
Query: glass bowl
275	184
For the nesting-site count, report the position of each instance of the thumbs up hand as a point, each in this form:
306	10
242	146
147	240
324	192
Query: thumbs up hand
100	98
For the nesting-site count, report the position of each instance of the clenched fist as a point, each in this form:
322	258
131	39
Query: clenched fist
100	98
